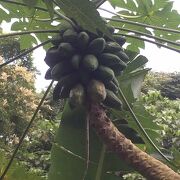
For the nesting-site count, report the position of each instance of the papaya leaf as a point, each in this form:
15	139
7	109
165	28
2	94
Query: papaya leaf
133	80
31	3
69	151
176	155
160	13
146	120
49	5
84	12
136	63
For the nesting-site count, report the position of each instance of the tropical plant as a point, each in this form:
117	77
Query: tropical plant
77	144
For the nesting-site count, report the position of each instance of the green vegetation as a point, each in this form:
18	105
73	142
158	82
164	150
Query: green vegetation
82	47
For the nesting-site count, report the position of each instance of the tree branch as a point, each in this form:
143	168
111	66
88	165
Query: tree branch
148	166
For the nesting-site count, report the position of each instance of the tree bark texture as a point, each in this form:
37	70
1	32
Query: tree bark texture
146	165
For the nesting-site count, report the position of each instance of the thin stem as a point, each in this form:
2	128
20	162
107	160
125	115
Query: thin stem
24	53
63	16
150	41
23	4
143	25
28	32
148	35
141	127
46	20
26	131
87	146
100	164
99	3
120	15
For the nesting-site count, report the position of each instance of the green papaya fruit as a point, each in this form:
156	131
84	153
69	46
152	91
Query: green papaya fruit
96	91
61	69
122	55
77	96
70	36
66	49
97	46
48	74
64	85
112	100
90	62
104	73
112	47
56	40
53	56
110	85
109	59
118	68
92	36
82	40
75	61
119	39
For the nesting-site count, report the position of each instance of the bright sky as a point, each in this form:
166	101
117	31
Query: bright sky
160	59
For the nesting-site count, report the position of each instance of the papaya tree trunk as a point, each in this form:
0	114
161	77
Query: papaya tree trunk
146	165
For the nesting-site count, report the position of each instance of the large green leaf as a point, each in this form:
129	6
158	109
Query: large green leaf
84	12
132	78
157	13
31	3
136	63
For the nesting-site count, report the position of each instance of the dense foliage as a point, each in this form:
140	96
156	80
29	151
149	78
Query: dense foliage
18	102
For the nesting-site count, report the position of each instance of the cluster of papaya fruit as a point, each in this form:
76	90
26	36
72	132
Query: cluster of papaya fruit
86	65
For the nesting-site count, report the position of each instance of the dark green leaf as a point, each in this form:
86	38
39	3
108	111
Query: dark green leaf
84	12
50	7
31	3
135	64
133	80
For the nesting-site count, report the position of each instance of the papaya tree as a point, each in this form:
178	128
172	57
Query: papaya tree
105	131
